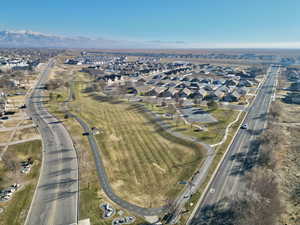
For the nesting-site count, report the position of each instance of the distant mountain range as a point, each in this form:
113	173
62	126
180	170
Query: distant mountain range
33	39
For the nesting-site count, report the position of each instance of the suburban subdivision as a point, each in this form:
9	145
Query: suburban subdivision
148	137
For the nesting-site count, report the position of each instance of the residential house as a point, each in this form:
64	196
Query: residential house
224	89
3	104
160	83
232	97
150	92
185	79
205	81
194	86
199	94
242	91
170	84
208	87
295	86
141	80
215	95
160	91
182	85
195	80
231	82
184	93
245	83
170	92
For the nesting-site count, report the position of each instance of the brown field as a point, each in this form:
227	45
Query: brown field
16	209
4	136
287	157
143	165
22	134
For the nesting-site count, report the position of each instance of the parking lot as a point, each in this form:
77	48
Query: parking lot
195	114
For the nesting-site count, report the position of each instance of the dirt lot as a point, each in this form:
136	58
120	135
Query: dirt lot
26	133
15	210
4	136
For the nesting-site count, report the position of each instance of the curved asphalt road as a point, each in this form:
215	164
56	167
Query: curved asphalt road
104	181
55	201
179	202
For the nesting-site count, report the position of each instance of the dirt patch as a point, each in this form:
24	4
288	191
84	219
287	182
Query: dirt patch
5	136
114	138
26	133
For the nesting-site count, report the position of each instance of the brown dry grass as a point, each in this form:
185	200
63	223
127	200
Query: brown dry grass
22	134
16	209
4	136
11	123
287	158
131	146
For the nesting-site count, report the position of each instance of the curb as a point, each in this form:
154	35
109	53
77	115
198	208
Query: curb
42	166
220	162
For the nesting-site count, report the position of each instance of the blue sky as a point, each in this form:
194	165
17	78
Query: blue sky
197	22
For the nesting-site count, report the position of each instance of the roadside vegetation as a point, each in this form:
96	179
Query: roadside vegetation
220	151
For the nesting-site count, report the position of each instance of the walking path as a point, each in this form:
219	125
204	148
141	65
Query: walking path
18	127
10	139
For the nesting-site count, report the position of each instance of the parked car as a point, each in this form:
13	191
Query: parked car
244	126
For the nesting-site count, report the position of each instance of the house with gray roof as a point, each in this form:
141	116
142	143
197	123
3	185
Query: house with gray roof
3	105
184	93
232	97
199	94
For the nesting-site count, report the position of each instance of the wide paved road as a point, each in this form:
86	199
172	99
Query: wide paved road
56	198
242	154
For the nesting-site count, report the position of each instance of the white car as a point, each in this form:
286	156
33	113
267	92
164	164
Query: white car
244	126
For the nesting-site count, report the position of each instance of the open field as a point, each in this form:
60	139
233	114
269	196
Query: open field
283	52
144	164
136	155
26	133
4	136
15	210
11	123
212	61
26	122
91	194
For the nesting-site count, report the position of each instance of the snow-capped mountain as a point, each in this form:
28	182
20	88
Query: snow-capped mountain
35	39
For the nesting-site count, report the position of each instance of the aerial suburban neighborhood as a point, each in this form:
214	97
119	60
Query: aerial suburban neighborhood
161	116
150	112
